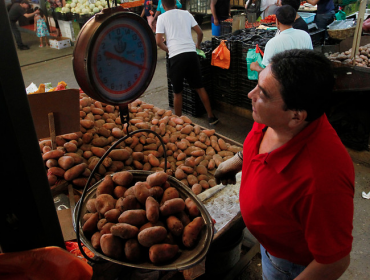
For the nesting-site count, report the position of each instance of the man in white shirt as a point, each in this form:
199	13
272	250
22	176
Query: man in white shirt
288	39
176	25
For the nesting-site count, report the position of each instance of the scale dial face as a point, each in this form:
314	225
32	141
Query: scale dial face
123	59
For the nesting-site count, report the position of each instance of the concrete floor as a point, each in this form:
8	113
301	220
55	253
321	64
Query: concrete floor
40	65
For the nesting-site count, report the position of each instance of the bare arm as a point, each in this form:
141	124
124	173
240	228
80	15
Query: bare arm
159	40
31	14
256	67
313	2
213	11
199	35
319	271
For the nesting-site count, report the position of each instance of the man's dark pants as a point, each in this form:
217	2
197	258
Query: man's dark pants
17	33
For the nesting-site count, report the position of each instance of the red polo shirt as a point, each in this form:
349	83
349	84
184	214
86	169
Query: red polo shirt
298	199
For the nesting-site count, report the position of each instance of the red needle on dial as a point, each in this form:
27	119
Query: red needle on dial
122	59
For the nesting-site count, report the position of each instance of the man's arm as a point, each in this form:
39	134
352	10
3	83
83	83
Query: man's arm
313	2
199	35
159	40
256	67
317	271
213	11
31	14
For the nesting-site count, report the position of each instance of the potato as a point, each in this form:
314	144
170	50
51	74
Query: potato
90	205
170	193
149	224
125	231
106	186
191	232
127	203
52	154
156	192
119	154
141	191
89	226
136	217
104	203
132	250
172	206
95	240
197	189
152	209
66	162
75	171
161	253
183	217
112	246
152	235
101	223
123	178
112	215
157	178
174	225
106	228
119	191
191	207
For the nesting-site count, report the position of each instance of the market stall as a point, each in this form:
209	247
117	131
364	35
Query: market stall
109	140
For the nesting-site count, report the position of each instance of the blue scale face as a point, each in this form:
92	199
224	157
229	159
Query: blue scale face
121	59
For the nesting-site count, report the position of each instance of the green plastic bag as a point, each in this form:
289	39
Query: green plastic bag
201	53
341	15
252	56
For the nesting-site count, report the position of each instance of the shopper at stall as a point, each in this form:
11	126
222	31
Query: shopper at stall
289	38
325	13
299	22
148	13
16	11
53	5
220	10
176	25
297	187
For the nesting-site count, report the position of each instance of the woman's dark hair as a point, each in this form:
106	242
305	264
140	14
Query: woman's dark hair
307	80
294	3
286	14
169	3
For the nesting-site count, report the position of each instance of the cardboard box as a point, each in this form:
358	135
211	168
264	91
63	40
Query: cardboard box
60	43
67	29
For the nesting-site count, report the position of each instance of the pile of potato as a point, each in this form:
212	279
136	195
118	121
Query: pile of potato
362	58
140	221
190	150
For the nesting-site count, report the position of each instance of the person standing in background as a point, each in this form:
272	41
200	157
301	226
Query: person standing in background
299	22
325	13
220	10
53	5
148	13
16	11
183	60
161	10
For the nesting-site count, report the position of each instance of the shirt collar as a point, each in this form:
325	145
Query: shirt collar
281	157
287	30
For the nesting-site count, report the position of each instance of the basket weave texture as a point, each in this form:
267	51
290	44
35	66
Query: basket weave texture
341	34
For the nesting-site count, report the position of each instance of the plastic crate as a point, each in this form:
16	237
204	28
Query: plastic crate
307	17
317	37
226	27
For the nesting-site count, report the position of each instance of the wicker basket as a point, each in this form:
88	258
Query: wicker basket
341	34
